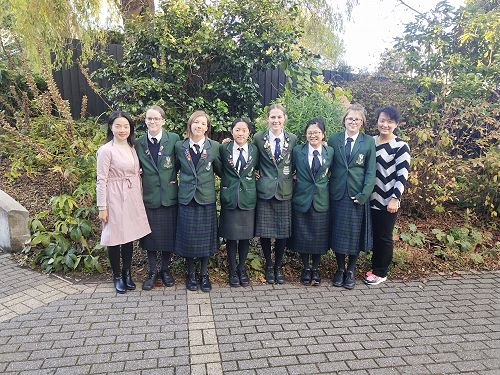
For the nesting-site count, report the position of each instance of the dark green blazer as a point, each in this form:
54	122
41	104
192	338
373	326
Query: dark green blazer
358	173
310	190
238	190
198	182
275	175
159	181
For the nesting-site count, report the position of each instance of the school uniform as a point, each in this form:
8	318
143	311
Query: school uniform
160	188
275	186
238	194
196	234
310	203
352	176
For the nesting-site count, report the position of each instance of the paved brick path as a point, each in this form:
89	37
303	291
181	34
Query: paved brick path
440	326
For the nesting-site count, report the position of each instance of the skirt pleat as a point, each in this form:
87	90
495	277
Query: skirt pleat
351	229
237	224
163	223
310	232
273	218
196	234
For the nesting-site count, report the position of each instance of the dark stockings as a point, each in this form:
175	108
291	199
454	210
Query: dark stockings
315	260
279	249
153	258
126	256
341	262
243	246
203	265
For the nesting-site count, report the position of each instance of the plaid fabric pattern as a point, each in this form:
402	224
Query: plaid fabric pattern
273	218
351	227
310	232
163	223
196	234
237	224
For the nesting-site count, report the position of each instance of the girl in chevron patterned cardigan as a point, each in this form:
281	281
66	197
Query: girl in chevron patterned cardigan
393	165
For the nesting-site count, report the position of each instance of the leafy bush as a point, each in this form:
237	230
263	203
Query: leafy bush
70	241
303	106
202	55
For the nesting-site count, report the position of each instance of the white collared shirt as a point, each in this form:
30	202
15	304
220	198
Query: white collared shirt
353	137
310	155
157	136
272	141
236	152
200	143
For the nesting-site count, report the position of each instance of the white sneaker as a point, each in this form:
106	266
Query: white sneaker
374	279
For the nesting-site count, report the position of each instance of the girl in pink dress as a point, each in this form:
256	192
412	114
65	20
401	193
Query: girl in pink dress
119	198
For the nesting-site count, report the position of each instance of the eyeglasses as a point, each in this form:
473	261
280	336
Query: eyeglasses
352	119
153	119
316	132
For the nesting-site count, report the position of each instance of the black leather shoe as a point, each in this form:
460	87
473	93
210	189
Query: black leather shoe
119	284
150	282
234	280
191	281
338	278
279	278
349	280
127	280
205	285
305	278
244	281
270	275
315	277
166	278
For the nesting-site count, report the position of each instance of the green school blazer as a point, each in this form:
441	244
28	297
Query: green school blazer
238	190
310	189
198	182
159	181
358	173
275	175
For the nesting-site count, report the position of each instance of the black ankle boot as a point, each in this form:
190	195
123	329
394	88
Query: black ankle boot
119	284
127	279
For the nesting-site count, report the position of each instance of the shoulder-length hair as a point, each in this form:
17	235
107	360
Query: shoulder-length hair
193	117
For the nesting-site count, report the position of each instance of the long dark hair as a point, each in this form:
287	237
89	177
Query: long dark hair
113	117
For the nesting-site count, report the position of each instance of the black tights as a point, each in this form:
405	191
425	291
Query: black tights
341	262
153	258
126	255
315	260
243	246
279	249
203	265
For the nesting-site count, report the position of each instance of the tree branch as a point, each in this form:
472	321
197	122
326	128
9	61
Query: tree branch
410	7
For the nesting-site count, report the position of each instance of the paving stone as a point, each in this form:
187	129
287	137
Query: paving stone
434	327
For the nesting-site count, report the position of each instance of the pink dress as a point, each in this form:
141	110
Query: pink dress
119	189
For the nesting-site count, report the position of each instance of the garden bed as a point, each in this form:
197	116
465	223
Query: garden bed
410	262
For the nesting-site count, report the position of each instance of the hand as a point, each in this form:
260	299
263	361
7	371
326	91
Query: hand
103	215
225	141
257	175
392	207
355	200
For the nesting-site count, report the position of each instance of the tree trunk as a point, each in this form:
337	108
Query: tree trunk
133	8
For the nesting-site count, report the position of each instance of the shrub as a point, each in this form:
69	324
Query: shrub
301	107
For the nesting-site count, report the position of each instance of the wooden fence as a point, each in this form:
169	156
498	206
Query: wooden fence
73	85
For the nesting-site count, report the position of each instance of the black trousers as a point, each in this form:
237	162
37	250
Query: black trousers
383	245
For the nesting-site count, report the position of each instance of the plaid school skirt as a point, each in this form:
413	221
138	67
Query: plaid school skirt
273	218
196	234
351	226
163	223
310	232
237	224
